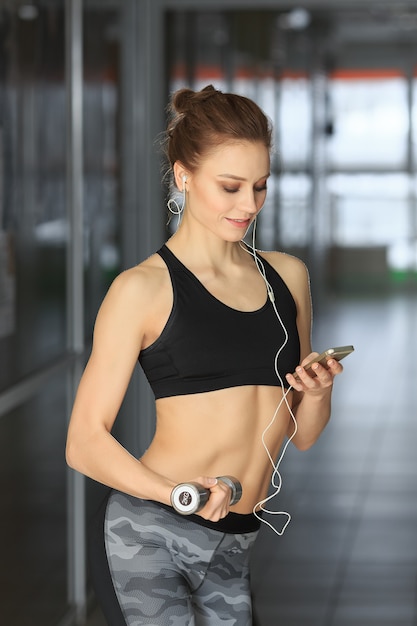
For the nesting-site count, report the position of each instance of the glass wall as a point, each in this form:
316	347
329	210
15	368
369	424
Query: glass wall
369	109
371	187
32	191
33	209
35	235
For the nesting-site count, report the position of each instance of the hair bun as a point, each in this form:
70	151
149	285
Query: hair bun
184	99
209	90
199	121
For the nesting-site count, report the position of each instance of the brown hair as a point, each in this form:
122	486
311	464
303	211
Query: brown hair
200	121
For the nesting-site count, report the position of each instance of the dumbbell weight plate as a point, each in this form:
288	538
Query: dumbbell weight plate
187	498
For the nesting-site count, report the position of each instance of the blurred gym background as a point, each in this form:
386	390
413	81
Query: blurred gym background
83	90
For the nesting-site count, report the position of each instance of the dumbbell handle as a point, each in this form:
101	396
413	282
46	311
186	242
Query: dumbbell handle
187	498
235	488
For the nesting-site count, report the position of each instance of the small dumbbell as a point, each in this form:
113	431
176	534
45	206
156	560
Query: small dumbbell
235	487
187	498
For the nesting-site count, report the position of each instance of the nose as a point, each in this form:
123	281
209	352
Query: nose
249	204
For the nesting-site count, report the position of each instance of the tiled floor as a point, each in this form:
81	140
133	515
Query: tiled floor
349	555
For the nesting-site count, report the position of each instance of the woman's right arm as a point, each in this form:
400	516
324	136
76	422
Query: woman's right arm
118	336
121	328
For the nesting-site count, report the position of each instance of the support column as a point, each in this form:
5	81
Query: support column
319	226
144	99
77	593
412	191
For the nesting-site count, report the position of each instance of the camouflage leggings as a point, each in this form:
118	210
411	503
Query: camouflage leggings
167	570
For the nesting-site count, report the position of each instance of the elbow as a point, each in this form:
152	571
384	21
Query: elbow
70	454
73	455
303	447
81	448
304	444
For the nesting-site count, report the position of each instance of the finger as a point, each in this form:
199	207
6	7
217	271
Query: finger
295	382
207	481
335	366
216	507
323	377
309	358
305	379
326	374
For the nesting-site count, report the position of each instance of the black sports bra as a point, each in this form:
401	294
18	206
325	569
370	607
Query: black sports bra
207	345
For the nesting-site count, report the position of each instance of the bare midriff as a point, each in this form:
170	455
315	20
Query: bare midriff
220	433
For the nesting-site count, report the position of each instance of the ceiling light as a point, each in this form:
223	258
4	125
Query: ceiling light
296	19
28	12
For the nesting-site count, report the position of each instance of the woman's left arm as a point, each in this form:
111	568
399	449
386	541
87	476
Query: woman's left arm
312	400
312	395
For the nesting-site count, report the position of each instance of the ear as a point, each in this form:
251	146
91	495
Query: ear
180	175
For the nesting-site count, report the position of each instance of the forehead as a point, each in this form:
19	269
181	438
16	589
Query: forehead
245	159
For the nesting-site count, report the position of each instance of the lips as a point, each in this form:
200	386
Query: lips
239	223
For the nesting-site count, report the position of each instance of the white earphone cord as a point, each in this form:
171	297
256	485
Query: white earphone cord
276	478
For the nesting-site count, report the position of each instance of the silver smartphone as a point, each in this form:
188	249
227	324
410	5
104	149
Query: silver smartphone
332	353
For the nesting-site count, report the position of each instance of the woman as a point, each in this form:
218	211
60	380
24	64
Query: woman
219	330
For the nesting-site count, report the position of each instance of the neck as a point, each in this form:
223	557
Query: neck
206	249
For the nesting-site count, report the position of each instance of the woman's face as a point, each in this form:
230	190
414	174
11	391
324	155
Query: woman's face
228	189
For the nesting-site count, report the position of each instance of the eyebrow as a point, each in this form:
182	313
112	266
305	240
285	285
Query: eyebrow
240	178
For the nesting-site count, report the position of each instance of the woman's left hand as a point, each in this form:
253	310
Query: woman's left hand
319	378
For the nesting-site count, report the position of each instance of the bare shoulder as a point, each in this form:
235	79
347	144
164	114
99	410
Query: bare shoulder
292	270
141	281
136	292
294	273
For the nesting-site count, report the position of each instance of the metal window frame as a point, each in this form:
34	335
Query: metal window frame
76	510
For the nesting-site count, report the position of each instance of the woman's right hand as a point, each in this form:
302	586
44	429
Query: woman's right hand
218	504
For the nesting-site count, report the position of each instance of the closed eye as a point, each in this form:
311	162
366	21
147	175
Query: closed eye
235	190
